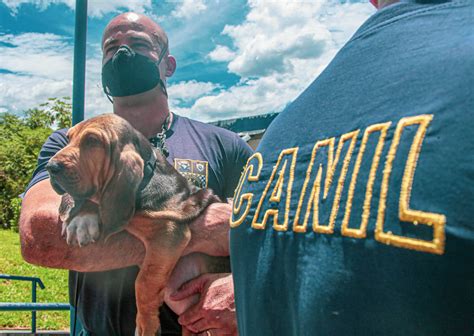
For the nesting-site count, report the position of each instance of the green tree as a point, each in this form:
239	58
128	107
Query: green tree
60	111
38	118
22	138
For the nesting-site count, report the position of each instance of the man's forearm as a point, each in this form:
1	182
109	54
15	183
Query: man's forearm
41	246
42	243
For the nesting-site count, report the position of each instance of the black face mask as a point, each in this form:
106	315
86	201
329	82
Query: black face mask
128	73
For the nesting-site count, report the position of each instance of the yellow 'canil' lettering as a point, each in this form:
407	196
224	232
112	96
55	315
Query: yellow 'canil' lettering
301	227
331	166
247	175
314	197
361	231
286	161
437	221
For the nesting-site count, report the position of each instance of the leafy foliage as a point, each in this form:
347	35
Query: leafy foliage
21	139
60	110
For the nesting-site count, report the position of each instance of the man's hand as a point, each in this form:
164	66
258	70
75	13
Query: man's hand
215	311
210	231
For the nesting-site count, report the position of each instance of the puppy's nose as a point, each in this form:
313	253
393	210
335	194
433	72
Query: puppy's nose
54	167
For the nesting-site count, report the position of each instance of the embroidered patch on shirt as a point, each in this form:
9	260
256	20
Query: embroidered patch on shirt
195	171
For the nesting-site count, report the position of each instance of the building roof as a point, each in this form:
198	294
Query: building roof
250	125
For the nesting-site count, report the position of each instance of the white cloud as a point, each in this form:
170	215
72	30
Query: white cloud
279	50
34	54
39	67
251	98
189	8
273	34
95	8
191	90
221	54
344	19
98	8
19	93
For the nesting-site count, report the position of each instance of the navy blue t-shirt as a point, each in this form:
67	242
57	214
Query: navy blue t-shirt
355	216
209	157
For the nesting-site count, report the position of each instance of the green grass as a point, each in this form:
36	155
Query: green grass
54	280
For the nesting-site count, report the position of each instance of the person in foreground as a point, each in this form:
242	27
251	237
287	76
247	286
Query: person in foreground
354	216
136	63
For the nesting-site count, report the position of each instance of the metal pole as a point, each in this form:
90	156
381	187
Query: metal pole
30	306
78	88
79	76
33	313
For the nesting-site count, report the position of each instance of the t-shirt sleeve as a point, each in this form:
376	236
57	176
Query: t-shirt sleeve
55	142
241	152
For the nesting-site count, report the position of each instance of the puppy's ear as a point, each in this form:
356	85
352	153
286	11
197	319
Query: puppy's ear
117	203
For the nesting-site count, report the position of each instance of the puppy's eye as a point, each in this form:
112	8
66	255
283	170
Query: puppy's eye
91	141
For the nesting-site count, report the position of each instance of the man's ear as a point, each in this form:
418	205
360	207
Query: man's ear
170	65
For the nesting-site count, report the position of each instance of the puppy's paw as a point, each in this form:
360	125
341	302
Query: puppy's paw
82	229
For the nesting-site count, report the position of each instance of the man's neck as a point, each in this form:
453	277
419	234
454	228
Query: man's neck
146	111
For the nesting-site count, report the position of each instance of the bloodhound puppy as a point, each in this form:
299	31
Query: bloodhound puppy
110	172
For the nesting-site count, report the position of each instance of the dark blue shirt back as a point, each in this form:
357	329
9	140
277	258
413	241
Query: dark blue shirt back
355	216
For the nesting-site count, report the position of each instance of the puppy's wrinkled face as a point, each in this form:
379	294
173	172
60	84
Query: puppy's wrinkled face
83	167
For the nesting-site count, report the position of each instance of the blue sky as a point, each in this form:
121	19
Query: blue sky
235	58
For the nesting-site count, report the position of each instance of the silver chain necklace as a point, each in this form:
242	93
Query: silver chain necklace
159	140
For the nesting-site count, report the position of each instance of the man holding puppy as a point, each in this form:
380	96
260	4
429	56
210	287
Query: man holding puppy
136	62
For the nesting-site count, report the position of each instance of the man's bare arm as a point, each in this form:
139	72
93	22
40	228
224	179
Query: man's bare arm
210	231
42	243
